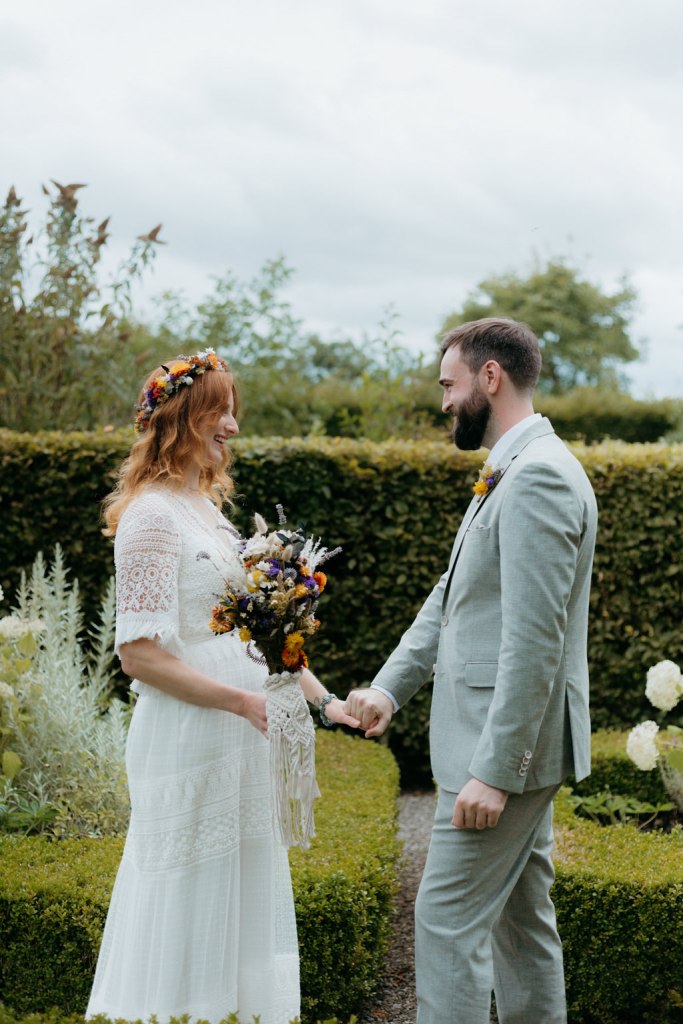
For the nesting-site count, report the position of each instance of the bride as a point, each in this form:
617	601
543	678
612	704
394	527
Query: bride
201	919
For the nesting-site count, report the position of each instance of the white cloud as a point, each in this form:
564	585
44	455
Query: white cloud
394	152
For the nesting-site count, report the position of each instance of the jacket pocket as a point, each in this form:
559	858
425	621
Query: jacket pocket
481	673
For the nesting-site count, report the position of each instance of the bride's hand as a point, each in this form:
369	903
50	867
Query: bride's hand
334	710
254	710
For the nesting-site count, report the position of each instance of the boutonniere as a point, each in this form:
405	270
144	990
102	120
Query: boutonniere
488	478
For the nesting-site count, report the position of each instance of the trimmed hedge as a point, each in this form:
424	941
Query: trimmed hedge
54	895
591	414
613	770
55	1017
394	507
619	901
618	895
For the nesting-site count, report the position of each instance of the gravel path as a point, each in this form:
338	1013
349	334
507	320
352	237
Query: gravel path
395	1000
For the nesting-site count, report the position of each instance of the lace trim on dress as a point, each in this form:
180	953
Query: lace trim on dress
175	794
147	555
200	840
185	819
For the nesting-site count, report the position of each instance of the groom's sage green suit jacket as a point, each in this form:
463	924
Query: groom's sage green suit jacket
505	628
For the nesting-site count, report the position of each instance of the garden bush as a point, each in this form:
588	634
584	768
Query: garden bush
55	1017
54	895
619	900
594	414
613	770
394	508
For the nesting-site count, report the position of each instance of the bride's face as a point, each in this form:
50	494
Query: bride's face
220	430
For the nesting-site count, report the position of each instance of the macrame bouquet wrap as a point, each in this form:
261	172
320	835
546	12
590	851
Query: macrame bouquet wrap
292	759
273	605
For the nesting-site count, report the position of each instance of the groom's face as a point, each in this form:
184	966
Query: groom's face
464	400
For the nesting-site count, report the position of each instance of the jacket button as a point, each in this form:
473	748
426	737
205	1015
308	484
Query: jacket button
522	771
527	753
444	620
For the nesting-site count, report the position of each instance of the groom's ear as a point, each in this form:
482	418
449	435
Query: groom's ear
490	377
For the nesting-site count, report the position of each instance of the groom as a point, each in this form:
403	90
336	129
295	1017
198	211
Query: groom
505	631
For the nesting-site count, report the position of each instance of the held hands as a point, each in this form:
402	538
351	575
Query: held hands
478	805
254	710
372	708
335	710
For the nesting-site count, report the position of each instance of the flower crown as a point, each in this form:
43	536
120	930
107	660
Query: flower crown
182	371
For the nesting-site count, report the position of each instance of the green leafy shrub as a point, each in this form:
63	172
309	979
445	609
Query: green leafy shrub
593	414
613	771
55	1017
54	894
394	507
619	901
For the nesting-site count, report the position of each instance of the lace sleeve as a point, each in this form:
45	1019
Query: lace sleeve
147	555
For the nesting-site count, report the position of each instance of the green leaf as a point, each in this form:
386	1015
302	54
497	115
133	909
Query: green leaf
11	764
27	644
674	759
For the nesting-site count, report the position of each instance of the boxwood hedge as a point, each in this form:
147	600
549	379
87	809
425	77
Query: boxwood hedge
394	507
619	900
54	895
618	894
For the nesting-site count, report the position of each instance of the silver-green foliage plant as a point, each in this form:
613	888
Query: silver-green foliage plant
62	734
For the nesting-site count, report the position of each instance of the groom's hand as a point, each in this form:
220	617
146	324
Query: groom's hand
478	805
372	708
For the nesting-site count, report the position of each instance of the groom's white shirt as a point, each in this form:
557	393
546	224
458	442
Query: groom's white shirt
495	457
504	443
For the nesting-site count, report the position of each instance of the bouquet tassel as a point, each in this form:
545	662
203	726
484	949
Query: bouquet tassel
292	759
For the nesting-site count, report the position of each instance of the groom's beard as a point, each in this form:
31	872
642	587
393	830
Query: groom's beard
472	420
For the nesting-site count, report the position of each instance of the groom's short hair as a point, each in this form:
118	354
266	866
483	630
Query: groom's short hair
512	344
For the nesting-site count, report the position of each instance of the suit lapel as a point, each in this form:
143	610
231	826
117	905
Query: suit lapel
538	429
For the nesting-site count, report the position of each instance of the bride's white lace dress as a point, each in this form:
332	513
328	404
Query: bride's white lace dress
201	919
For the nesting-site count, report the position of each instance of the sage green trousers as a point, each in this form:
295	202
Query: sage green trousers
484	920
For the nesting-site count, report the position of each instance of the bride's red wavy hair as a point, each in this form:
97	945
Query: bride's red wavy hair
172	439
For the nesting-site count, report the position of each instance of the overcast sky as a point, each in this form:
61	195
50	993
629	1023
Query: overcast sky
394	151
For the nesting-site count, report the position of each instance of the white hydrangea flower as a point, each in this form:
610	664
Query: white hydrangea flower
6	691
641	746
664	686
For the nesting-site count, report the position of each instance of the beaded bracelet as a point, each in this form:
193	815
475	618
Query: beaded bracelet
321	708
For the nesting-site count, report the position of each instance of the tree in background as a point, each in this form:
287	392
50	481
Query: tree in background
254	328
63	335
583	331
73	355
292	382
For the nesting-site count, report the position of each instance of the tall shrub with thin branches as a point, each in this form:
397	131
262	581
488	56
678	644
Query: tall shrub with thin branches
65	361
